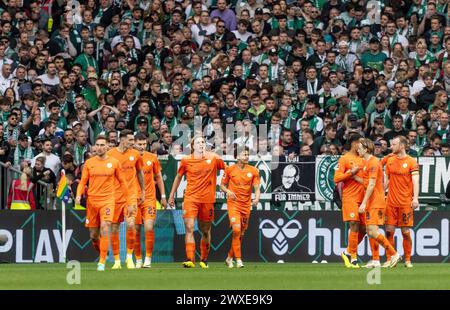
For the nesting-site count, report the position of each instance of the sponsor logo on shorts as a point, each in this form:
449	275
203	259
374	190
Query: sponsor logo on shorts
131	158
109	165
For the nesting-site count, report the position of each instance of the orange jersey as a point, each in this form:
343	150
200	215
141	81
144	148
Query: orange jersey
400	172
130	162
201	177
240	182
372	170
151	168
102	175
352	190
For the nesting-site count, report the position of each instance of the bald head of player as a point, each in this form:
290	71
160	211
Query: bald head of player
399	145
126	140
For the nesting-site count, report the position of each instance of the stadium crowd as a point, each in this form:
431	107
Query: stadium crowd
312	72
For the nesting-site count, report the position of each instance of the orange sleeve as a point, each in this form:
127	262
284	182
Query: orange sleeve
123	183
220	164
414	166
226	176
139	162
373	169
385	159
339	174
256	178
182	168
156	167
83	181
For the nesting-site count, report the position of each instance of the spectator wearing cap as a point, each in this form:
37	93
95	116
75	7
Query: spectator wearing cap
22	153
276	67
225	14
345	60
92	90
374	58
142	125
86	59
203	29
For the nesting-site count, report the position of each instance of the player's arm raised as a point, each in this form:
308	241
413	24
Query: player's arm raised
82	184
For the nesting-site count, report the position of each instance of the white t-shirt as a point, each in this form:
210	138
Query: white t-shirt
51	161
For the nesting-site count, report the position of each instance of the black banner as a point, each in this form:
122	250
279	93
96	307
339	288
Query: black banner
317	236
35	237
294	180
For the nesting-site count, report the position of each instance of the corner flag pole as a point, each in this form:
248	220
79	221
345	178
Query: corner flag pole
63	220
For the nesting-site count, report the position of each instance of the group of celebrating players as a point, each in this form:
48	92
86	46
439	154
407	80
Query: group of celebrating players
364	205
122	186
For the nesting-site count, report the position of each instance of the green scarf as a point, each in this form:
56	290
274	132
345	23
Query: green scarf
20	156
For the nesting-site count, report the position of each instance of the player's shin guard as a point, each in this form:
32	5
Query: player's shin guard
390	238
190	251
385	244
137	245
375	248
352	244
131	236
96	244
204	249
236	243
407	245
149	242
115	245
103	247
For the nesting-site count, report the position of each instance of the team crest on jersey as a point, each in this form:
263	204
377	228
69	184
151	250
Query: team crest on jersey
405	165
208	161
149	163
131	158
233	219
352	215
109	165
249	175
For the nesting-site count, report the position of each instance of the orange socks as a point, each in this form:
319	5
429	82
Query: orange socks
352	244
407	245
190	251
236	244
150	240
137	245
390	238
103	247
385	244
96	244
204	250
131	236
115	245
375	247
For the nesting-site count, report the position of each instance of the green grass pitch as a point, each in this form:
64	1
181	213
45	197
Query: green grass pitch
167	276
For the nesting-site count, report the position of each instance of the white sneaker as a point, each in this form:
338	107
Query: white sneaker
138	264
229	262
239	264
408	264
147	262
372	264
387	264
395	260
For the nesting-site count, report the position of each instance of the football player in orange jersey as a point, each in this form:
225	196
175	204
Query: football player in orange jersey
100	172
402	182
237	183
373	206
131	168
201	169
147	210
